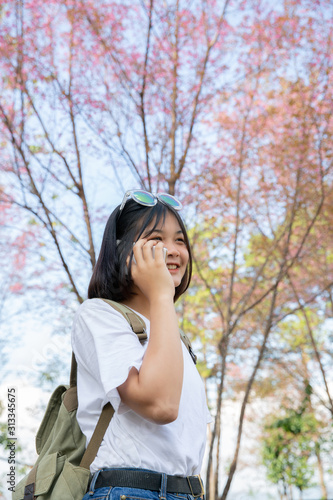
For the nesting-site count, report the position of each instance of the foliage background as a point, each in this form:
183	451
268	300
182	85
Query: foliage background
228	105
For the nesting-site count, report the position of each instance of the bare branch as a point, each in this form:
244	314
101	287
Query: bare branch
202	73
175	57
313	342
48	225
142	95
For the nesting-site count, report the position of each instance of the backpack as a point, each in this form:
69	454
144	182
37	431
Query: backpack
62	470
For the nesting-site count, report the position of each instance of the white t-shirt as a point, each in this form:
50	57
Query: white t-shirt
106	349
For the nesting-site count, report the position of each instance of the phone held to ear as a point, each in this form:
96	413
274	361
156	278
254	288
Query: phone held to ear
165	254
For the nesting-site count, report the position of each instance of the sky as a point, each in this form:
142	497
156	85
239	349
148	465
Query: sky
31	343
34	344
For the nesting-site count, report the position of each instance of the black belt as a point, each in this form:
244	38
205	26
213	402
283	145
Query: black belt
145	480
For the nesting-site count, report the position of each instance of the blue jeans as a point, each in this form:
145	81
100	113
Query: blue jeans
119	493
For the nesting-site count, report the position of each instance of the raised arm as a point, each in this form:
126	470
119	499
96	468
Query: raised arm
154	392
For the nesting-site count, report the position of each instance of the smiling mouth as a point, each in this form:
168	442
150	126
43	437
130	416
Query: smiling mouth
172	267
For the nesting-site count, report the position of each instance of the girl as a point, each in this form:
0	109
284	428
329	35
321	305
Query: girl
154	445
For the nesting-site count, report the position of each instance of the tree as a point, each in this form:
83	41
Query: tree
57	116
270	183
287	450
290	441
292	366
226	105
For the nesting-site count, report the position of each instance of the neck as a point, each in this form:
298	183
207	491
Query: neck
139	303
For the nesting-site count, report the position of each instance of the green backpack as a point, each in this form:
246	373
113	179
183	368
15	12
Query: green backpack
62	470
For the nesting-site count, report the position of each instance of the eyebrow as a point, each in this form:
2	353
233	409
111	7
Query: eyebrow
161	231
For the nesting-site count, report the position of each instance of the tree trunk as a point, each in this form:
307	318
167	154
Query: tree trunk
217	465
321	476
217	425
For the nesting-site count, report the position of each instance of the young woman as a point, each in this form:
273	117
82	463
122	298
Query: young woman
154	445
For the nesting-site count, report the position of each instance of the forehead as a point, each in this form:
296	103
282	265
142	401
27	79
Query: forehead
169	224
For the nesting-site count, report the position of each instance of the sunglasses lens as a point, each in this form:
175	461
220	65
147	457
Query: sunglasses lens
144	198
170	200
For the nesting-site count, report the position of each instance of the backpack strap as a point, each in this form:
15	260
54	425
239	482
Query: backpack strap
139	326
97	437
188	345
73	375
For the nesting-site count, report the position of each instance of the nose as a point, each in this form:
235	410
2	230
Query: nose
172	250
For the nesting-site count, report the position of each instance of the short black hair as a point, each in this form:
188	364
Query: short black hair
111	278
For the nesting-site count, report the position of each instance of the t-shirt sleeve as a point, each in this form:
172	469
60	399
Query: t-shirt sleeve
105	344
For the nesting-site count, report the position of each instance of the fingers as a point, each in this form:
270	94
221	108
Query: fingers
143	251
149	273
159	252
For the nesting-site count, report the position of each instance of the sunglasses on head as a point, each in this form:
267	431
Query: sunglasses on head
149	200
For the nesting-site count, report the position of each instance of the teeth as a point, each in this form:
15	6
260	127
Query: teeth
172	266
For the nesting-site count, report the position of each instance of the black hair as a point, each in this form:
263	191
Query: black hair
111	278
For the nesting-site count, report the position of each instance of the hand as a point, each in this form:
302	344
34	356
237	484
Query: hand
150	274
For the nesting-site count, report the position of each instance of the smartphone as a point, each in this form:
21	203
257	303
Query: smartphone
165	254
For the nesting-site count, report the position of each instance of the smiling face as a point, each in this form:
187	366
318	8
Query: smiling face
171	234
